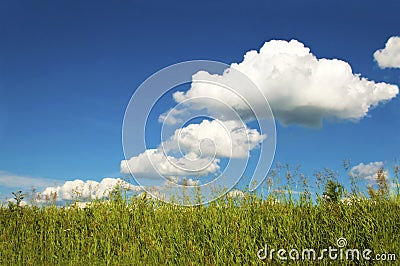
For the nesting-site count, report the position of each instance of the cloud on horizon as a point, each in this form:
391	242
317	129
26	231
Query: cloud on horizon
389	57
86	189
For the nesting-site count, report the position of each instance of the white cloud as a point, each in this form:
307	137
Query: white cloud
390	55
87	189
230	139
367	171
300	88
153	162
199	146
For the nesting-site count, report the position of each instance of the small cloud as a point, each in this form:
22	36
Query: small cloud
390	55
367	171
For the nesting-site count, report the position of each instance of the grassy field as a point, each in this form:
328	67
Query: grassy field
141	231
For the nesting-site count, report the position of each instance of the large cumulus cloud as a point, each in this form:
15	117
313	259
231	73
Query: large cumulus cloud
300	88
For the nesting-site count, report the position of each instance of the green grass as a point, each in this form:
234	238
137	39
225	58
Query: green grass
144	232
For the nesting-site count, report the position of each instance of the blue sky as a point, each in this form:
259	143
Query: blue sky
69	68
